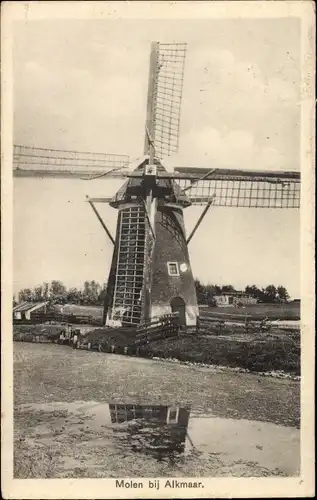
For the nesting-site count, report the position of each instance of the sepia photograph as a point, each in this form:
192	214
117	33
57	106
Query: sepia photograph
157	280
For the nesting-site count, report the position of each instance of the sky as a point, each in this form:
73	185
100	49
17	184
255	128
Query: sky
82	85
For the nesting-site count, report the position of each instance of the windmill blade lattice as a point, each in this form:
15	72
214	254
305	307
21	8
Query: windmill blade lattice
240	188
165	97
52	160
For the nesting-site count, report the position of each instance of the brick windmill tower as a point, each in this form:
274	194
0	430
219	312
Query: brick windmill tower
150	273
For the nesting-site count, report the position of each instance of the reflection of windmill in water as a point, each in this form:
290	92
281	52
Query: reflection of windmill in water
160	431
150	273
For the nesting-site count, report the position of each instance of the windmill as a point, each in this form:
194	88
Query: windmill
150	273
155	429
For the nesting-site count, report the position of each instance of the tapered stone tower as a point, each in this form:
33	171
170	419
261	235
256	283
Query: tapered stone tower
150	273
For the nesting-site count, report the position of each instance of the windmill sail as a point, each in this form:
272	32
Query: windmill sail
30	161
241	188
164	98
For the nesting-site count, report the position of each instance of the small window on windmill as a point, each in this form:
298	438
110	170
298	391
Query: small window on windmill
150	170
173	269
172	415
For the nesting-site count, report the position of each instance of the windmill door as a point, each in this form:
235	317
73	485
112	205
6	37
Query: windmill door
178	305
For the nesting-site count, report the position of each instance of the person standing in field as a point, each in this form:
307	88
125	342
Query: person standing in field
247	323
75	340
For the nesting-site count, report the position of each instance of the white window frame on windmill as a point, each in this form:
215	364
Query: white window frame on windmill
171	419
150	170
170	273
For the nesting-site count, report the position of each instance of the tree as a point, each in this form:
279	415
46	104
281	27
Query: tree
95	290
91	292
227	288
255	292
102	295
217	289
46	290
252	290
57	289
57	292
210	292
200	292
73	296
25	295
282	294
206	293
38	294
270	294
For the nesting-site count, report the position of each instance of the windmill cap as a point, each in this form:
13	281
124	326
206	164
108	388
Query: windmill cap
166	189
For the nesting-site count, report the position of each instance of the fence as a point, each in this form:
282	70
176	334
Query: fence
111	339
215	325
158	328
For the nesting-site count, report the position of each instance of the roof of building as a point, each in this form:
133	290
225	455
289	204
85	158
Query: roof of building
27	306
233	292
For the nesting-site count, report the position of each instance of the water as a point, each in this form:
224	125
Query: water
117	439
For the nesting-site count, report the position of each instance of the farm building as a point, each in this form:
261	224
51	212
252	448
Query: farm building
25	310
235	298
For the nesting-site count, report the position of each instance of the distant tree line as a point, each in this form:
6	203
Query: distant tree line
92	293
270	294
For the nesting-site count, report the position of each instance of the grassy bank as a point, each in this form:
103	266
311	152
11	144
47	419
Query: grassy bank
254	352
267	354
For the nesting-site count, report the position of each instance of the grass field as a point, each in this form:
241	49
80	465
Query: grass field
290	311
240	424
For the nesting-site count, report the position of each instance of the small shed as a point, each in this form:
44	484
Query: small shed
234	298
24	310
